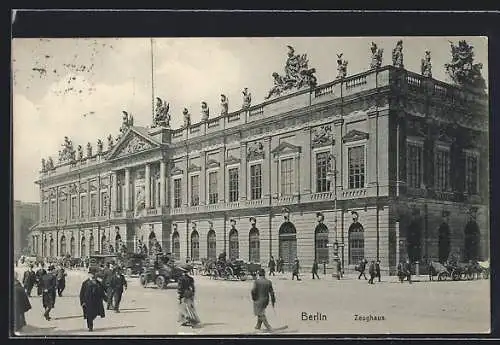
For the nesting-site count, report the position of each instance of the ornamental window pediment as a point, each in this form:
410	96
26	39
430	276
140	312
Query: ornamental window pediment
285	148
355	135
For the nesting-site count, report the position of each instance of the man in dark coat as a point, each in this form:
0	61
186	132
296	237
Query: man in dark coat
21	304
91	298
38	275
61	280
272	266
279	265
296	267
315	269
362	268
49	286
377	270
107	274
118	283
29	280
371	270
262	289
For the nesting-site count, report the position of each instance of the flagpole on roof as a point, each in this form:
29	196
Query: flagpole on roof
152	82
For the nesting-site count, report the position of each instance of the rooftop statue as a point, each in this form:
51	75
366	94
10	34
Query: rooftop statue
110	142
377	53
66	153
224	105
99	146
462	69
297	74
80	153
89	150
341	67
127	121
44	166
187	117
50	164
162	117
397	55
247	98
426	65
205	111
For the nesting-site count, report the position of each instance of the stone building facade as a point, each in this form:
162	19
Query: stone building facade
384	165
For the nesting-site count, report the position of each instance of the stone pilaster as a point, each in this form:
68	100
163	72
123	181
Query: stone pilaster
306	163
127	189
147	186
243	172
266	169
203	179
163	185
114	191
338	150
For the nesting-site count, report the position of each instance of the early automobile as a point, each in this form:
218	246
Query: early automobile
161	271
98	260
132	263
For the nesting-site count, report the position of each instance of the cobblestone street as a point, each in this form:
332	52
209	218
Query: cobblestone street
225	308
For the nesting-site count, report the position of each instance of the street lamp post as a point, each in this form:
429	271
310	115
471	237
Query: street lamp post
333	174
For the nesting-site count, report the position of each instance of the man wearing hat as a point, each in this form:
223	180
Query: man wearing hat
295	270
29	280
49	285
92	296
117	284
262	289
38	277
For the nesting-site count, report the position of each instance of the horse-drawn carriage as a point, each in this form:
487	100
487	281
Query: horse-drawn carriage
229	270
459	271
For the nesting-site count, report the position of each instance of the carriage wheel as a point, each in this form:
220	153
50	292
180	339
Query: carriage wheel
128	272
443	276
228	273
142	280
470	275
455	275
243	276
161	282
486	274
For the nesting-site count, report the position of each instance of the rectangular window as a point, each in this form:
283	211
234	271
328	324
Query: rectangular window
414	165
356	158
177	193
233	184
93	205
62	209
471	174
212	188
442	170
286	176
83	206
322	180
195	190
256	181
104	204
52	211
74	207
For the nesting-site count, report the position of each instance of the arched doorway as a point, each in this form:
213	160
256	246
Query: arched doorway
91	245
471	241
320	243
52	248
72	246
234	247
414	240
356	243
254	245
195	245
104	245
83	248
443	242
211	245
63	246
176	246
288	243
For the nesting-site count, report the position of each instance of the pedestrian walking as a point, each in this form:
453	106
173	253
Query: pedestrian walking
38	275
261	292
118	284
92	296
362	268
21	304
315	269
296	268
272	266
107	274
371	271
340	272
49	286
187	313
377	270
61	280
29	280
279	265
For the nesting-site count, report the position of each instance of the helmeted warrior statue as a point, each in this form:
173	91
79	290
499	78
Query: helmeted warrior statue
341	67
162	117
377	53
127	121
462	69
99	146
44	167
110	142
426	66
187	117
247	98
80	153
397	55
205	111
68	152
224	107
297	75
50	164
89	150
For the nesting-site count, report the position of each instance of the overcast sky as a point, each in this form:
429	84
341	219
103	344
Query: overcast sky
78	87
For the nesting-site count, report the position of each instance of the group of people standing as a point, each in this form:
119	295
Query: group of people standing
373	270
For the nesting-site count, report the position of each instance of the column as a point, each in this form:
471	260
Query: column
221	183
266	169
337	151
114	191
297	173
127	189
371	150
243	172
187	198
163	199
57	206
147	184
40	209
306	173
98	198
203	179
89	198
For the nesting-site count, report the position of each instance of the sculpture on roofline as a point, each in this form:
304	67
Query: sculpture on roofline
247	98
426	65
462	69
99	146
67	151
376	61
44	167
80	153
50	164
187	118
89	150
397	55
162	117
110	142
341	67
127	121
224	105
205	111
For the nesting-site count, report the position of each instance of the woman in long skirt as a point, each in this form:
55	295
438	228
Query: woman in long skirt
187	312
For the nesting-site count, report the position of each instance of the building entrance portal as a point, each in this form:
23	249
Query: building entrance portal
471	241
288	244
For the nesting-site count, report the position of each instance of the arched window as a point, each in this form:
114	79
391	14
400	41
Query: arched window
83	247
254	245
176	246
52	251
72	247
356	243
103	245
321	241
444	242
287	243
471	241
195	245
234	247
63	245
211	245
91	245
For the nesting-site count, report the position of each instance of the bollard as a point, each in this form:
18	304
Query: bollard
324	267
417	268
